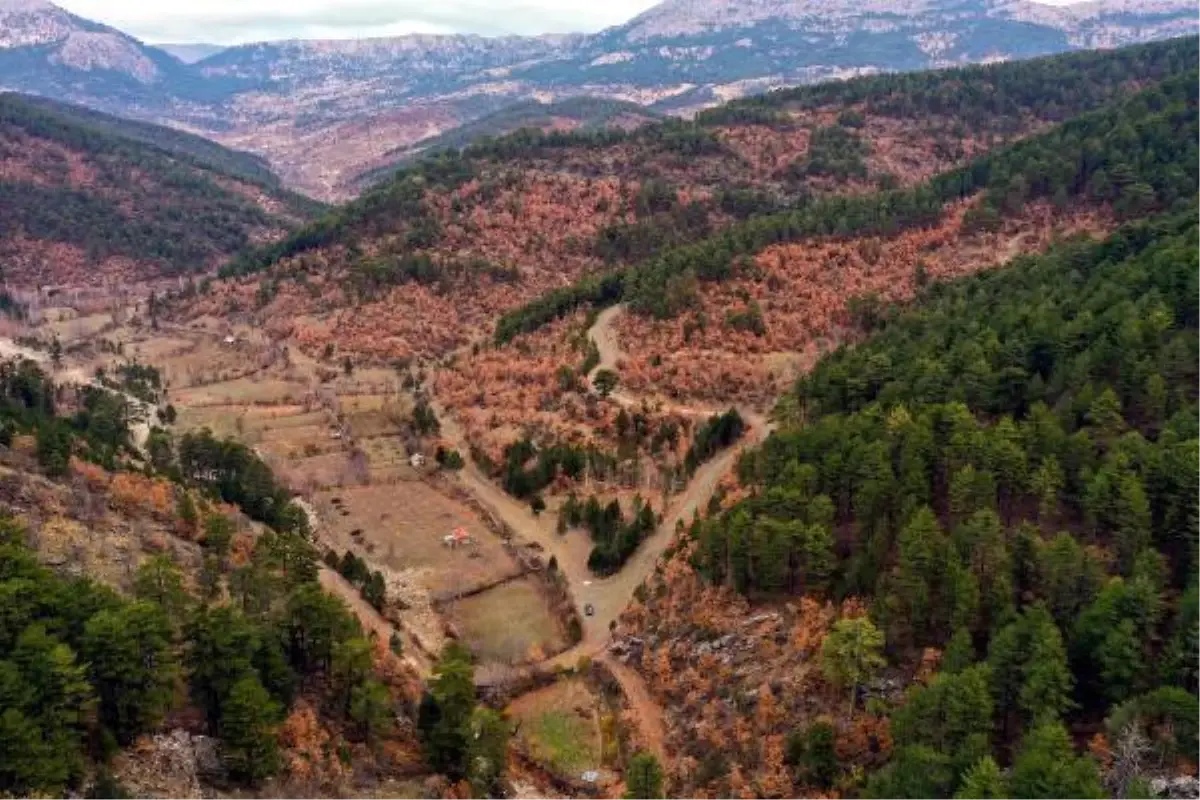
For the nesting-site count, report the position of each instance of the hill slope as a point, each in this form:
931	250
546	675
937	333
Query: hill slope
999	528
299	100
979	519
90	198
532	211
574	114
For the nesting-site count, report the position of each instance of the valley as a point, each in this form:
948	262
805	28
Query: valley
835	442
331	116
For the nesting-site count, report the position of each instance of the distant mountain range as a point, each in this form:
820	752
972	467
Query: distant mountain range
322	112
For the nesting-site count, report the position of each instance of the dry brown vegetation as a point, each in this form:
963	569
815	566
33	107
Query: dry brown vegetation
803	291
734	680
526	226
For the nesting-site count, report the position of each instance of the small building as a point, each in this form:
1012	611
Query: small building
456	538
416	460
231	339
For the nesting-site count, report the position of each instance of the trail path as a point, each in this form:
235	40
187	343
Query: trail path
647	712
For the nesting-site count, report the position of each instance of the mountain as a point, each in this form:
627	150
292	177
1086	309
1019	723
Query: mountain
300	103
46	50
572	114
90	198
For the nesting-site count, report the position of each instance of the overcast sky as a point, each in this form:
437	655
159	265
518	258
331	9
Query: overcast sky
240	21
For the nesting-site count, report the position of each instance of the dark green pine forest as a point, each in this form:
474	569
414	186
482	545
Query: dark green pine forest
1008	472
155	195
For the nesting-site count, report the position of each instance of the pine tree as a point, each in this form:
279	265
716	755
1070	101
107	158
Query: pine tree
983	781
1046	767
643	778
852	654
249	749
131	667
446	712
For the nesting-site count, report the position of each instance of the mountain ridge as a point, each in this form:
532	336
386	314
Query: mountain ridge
377	95
90	198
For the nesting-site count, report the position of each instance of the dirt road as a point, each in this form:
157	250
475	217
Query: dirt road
645	709
371	620
140	425
608	596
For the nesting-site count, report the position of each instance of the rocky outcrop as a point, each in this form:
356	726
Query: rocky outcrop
1177	788
174	764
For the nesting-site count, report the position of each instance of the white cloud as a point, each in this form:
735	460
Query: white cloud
240	21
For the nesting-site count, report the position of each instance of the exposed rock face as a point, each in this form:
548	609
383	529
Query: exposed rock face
28	23
171	764
1182	786
105	51
679	56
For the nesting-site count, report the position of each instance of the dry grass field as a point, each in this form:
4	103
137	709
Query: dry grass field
509	624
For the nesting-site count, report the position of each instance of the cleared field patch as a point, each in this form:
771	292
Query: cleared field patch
374	414
509	624
250	424
388	458
200	365
70	330
309	474
301	435
362	403
560	727
280	418
243	391
221	420
401	526
371	380
154	350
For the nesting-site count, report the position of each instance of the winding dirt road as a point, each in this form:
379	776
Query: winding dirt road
608	596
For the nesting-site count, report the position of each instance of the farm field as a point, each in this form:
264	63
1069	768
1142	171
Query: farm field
73	329
400	527
559	727
509	624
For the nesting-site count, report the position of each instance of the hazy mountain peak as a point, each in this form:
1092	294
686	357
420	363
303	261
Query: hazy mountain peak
87	51
27	5
690	17
27	23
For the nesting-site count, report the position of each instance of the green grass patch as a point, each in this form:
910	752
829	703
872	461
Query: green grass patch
565	741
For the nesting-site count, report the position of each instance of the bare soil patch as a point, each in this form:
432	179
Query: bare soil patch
402	526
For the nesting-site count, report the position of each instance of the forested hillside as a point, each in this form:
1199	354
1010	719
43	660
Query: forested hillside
210	624
187	146
459	238
89	197
572	114
1147	142
1005	473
